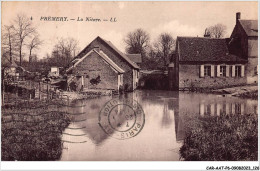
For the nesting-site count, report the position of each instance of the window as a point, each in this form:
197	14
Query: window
207	70
238	71
222	71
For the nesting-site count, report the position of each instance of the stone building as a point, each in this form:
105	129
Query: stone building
244	43
206	63
102	66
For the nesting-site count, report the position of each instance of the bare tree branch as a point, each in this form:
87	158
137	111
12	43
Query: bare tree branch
24	29
217	31
164	47
137	42
33	44
9	41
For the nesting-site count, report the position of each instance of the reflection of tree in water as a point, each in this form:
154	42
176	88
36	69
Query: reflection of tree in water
166	119
32	135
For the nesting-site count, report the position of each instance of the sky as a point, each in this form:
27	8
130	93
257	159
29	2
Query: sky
184	18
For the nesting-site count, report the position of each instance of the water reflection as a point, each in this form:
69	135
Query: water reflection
163	131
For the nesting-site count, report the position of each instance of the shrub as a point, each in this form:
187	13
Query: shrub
222	138
32	134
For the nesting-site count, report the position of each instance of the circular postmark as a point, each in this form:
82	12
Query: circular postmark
122	119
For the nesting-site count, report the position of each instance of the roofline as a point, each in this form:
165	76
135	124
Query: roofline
247	20
98	37
129	62
200	37
108	60
243	27
133	54
119	70
210	62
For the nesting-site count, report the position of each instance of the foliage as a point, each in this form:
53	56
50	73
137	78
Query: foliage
32	132
137	42
154	81
221	138
63	52
164	48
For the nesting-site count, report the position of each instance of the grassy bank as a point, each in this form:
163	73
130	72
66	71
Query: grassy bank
223	138
251	95
32	131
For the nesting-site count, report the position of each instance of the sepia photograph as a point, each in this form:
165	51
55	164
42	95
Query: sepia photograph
129	81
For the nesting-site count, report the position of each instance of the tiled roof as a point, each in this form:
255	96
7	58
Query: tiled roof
120	53
250	27
200	49
137	58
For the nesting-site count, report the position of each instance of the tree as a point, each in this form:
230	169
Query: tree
24	29
8	41
32	45
137	42
216	31
64	51
164	47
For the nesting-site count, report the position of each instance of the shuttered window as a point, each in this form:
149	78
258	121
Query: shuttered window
202	71
218	71
222	71
242	71
238	70
212	72
207	70
233	70
227	70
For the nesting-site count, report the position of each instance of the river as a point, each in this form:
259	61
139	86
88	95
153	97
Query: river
163	131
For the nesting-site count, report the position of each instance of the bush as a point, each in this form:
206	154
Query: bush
32	134
222	138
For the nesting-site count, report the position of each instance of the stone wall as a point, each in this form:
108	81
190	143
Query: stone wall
128	75
189	76
92	67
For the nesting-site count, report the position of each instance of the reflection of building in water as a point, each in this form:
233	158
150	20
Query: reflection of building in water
168	112
179	126
87	111
225	108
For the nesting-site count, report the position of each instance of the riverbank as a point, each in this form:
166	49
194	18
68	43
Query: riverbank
31	131
234	138
249	91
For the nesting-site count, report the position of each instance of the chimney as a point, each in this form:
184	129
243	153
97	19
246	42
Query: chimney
238	15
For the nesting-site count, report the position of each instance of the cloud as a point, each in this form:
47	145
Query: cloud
175	28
